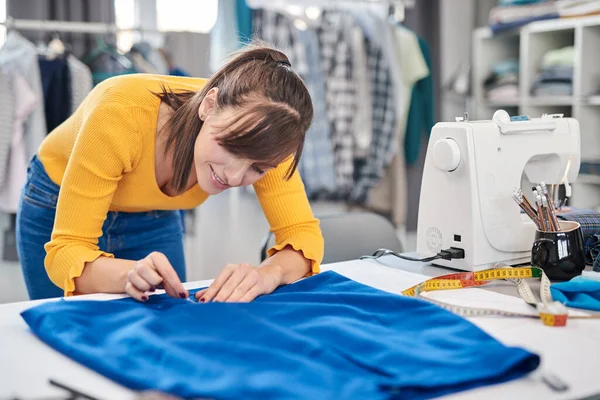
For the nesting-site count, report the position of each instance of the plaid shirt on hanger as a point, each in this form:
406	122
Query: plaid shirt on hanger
383	142
334	31
317	163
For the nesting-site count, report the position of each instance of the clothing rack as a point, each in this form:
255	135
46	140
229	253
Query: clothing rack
398	6
70	26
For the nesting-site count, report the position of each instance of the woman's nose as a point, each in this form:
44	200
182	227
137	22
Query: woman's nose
235	175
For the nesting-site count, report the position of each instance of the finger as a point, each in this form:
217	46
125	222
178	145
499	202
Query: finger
239	274
173	292
250	295
149	274
214	288
164	268
136	280
250	280
135	293
200	293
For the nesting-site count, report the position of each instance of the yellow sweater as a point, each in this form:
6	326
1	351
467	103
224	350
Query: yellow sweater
103	158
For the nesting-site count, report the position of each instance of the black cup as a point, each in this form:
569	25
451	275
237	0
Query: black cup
560	254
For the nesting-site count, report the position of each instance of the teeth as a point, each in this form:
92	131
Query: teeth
219	179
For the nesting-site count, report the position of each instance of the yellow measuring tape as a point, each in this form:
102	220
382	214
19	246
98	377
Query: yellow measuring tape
551	313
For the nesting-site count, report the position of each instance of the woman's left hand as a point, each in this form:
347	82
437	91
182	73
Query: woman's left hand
242	283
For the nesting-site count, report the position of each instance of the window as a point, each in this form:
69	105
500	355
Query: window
164	15
125	19
186	15
2	19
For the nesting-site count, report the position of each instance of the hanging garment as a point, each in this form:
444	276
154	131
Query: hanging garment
25	102
81	81
151	60
383	143
56	82
421	114
317	164
7	116
363	122
244	21
301	46
105	61
326	337
19	54
334	30
390	194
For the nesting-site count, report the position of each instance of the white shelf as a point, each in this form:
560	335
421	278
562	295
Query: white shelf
588	179
542	101
529	45
592	101
500	104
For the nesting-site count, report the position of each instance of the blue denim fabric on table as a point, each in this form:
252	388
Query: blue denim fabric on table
130	236
326	337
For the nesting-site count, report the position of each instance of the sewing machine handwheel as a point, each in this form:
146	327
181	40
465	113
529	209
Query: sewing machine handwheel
446	154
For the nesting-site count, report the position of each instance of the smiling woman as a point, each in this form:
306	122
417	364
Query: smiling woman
103	194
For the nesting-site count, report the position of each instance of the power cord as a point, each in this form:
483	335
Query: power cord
449	254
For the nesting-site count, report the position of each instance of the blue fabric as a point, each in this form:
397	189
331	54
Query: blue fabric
131	236
579	292
326	337
506	3
421	113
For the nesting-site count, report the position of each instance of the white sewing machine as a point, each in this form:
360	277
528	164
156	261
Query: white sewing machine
471	170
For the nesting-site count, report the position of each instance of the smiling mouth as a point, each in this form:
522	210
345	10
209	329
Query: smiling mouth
214	174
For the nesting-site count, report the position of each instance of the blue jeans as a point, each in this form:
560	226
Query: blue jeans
130	236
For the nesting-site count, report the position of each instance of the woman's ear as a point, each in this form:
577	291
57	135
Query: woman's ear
209	103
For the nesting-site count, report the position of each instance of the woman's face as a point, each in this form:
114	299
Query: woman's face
216	168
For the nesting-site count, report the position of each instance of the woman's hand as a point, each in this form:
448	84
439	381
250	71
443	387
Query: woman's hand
149	273
242	283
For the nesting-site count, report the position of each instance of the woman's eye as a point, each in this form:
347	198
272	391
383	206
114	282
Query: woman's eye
260	171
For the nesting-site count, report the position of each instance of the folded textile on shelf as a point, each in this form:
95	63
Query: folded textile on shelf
504	94
563	57
502	84
577	8
325	337
552	89
504	18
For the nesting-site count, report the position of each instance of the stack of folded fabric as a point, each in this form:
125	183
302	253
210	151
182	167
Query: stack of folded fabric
556	73
511	14
502	84
577	8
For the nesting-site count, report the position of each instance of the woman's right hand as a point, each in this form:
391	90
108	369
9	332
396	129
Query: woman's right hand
149	273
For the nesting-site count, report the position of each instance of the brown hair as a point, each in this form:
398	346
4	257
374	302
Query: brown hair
277	111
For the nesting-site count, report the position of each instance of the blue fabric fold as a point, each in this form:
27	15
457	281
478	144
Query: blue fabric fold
326	337
579	292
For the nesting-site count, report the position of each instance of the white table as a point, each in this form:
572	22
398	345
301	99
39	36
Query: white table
572	352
